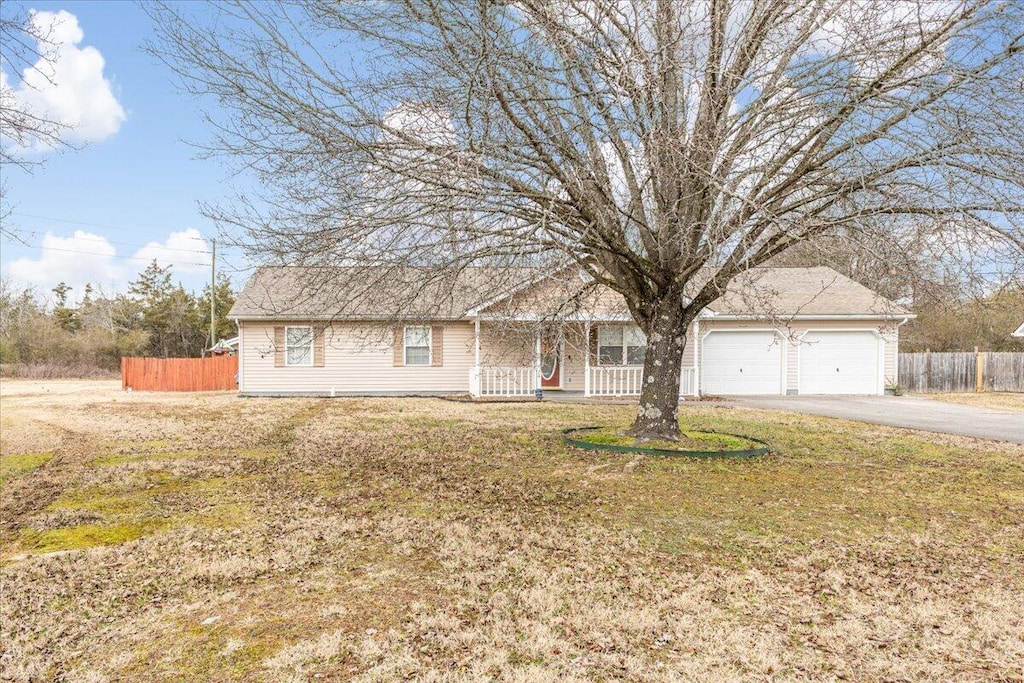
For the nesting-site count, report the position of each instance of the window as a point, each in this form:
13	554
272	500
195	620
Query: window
417	346
609	345
621	345
298	345
636	346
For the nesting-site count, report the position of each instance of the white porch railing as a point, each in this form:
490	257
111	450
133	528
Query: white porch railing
628	380
688	382
503	381
616	381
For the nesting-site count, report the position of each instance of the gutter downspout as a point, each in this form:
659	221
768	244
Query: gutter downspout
241	356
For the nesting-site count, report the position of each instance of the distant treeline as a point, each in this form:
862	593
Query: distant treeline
51	336
960	325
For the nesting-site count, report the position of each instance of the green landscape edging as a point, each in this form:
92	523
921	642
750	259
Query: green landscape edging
764	449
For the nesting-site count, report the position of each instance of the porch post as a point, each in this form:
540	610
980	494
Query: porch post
476	342
474	385
696	357
586	358
536	358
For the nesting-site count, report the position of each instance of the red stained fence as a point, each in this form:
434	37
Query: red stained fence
218	373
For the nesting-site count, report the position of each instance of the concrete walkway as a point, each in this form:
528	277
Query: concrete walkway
913	412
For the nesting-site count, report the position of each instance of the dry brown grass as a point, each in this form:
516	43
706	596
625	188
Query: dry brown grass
206	537
1000	401
56	370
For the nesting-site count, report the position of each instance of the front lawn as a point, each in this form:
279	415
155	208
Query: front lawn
1000	401
186	537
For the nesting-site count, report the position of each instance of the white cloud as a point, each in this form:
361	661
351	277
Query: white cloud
67	83
86	257
425	123
875	35
83	257
186	250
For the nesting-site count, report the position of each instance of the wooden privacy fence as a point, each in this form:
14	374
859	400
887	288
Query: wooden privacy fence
961	371
216	373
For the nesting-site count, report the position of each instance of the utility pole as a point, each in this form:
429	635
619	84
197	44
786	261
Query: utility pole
213	294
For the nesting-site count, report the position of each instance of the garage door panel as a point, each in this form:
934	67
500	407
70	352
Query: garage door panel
839	362
747	362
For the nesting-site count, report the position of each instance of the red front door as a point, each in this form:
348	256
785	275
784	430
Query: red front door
550	362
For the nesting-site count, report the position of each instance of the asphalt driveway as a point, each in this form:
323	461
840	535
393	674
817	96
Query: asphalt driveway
913	412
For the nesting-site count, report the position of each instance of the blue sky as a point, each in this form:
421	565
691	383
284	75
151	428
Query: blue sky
132	187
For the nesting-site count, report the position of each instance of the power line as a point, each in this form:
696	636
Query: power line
127	244
91	225
99	253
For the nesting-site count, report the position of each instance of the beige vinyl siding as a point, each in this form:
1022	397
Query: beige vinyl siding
794	330
358	358
690	350
891	335
574	358
505	347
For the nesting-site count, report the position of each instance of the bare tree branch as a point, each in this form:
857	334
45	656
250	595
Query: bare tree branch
665	146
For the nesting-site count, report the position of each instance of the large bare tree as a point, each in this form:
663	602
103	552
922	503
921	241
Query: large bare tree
665	146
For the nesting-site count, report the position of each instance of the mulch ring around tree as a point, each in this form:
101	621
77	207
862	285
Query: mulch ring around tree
691	444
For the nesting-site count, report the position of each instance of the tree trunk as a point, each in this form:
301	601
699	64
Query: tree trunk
658	414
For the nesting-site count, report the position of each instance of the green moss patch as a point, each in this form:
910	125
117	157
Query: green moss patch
83	536
21	463
691	442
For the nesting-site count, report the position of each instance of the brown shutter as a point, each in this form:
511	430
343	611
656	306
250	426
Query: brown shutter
592	345
318	346
399	357
437	342
278	347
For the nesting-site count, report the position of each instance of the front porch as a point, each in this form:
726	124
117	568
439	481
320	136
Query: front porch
589	358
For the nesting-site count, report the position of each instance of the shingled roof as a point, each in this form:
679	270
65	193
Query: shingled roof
371	292
801	291
760	292
374	293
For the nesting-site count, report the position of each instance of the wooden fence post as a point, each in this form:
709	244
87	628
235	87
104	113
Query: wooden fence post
979	371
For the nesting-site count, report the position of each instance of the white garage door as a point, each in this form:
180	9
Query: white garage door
839	363
742	363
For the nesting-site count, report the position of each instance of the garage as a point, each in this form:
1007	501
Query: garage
840	362
742	362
